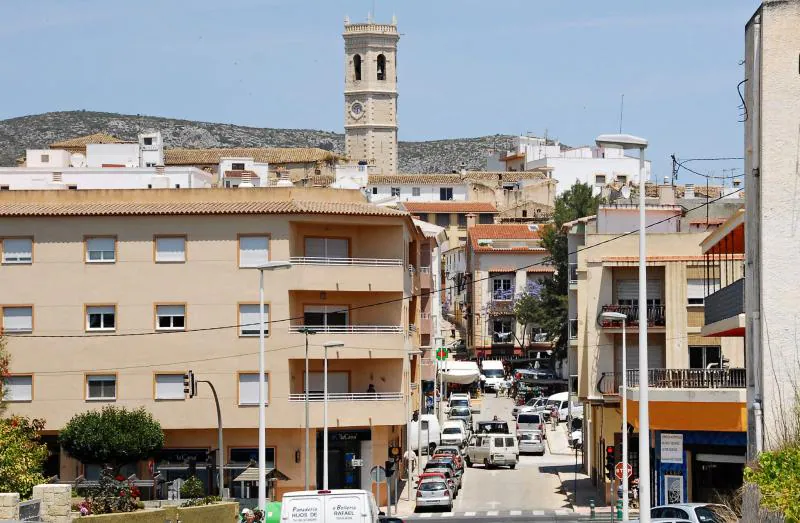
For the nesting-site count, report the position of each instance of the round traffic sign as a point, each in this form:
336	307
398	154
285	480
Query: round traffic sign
618	470
441	353
378	474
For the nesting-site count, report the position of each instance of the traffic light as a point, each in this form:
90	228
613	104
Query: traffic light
610	462
189	384
389	466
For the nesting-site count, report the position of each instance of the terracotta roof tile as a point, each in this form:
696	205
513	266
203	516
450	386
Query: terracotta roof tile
508	231
635	259
272	155
450	206
455	178
83	141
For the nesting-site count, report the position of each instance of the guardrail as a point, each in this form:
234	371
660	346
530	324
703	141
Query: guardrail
362	262
610	382
348	396
656	316
348	329
728	302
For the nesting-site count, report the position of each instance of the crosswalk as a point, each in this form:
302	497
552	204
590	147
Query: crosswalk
493	514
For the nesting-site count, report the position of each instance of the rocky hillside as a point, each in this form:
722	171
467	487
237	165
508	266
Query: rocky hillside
18	134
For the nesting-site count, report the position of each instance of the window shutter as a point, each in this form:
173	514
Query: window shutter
19	388
169	387
337	248
17	319
170	310
18	250
250	317
170	249
315	247
248	389
253	251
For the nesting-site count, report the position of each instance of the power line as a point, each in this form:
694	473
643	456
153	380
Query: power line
682	165
545	261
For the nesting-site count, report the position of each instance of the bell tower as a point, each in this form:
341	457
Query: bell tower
370	94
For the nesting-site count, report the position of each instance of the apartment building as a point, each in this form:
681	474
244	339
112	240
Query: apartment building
453	216
697	395
109	297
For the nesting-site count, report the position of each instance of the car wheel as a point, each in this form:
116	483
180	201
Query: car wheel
486	464
512	467
469	463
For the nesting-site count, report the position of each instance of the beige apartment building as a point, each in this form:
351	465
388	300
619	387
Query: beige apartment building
109	297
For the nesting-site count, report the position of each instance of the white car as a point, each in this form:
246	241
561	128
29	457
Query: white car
454	433
695	512
531	442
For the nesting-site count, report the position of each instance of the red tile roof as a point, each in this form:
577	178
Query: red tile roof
450	207
507	231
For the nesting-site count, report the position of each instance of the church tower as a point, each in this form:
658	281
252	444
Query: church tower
370	94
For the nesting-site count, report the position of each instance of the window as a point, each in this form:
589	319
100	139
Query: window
5	187
486	218
101	317
148	140
415	191
72	187
445	193
101	387
101	250
17	251
462	219
357	67
705	357
600	179
335	248
697	288
45	158
253	250
442	219
169	387
381	67
395	191
325	317
237	166
621	178
248	388
150	164
374	190
248	455
338	382
502	289
17	319
170	249
524	213
18	388
250	317
170	317
503	331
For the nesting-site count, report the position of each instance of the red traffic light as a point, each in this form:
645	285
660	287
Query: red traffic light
609	449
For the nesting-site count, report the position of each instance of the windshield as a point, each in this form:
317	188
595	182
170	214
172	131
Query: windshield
493	373
459	403
451	430
528	418
714	514
432	485
449	451
493	426
459	411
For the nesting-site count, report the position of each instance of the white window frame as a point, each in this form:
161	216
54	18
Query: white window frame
254	259
16	382
166	251
171	311
94	241
102	310
251	387
168	386
696	290
103	378
248	323
19	256
22	326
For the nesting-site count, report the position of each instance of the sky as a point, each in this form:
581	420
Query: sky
465	67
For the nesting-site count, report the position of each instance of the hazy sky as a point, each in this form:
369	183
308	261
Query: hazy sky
465	67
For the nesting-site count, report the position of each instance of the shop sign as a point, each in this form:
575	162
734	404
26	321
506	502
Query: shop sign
350	435
672	448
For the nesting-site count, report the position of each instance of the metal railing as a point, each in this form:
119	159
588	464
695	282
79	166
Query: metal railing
610	382
656	316
573	273
573	328
503	295
348	396
362	262
425	315
348	329
424	269
727	302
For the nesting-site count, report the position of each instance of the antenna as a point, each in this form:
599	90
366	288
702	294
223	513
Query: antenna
621	107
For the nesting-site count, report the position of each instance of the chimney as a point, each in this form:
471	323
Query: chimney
666	195
471	219
463	171
689	192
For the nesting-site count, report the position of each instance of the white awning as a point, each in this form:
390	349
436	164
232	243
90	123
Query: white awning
461	372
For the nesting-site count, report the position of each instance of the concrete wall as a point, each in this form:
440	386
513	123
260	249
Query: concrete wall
569	170
26	178
49	158
157	515
99	154
56	502
428	193
9	506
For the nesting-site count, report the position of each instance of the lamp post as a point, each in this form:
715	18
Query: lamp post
409	408
307	331
617	316
437	408
626	141
327	345
262	386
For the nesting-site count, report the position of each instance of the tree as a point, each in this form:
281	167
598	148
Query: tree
112	437
22	456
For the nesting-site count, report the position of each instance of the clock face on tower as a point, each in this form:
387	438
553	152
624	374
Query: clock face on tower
356	110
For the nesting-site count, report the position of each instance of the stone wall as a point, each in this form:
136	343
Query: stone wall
9	506
56	501
752	512
158	515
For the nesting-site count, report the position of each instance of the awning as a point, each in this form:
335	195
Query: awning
461	372
251	474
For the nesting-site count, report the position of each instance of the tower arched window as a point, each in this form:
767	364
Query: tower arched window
357	66
381	67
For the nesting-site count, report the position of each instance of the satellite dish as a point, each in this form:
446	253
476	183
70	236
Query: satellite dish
77	160
626	192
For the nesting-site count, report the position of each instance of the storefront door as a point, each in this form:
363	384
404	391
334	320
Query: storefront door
343	447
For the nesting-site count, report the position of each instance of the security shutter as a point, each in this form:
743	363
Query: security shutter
655	355
629	290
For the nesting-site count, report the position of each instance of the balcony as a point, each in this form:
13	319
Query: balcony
348	396
573	274
656	316
610	382
346	274
347	329
425	323
425	277
359	262
502	294
573	328
724	311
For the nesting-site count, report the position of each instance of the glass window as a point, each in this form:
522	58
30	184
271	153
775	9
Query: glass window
17	250
101	317
510	442
333	248
18	388
169	387
445	193
621	178
486	218
705	357
395	191
171	249
415	191
17	319
374	190
443	220
698	288
101	250
462	219
248	388
253	251
600	179
101	387
328	318
170	317
502	289
237	166
250	317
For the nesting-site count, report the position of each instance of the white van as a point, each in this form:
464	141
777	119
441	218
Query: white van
561	403
494	374
327	506
493	450
454	432
428	431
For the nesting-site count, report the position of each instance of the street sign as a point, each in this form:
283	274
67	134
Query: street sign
618	470
357	462
441	353
378	474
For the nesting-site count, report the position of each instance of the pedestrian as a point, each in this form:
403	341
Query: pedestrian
411	462
247	515
371	389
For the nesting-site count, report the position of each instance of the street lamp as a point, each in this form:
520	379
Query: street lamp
307	331
626	141
262	386
618	316
411	355
437	408
327	345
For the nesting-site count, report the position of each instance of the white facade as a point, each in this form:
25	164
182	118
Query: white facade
36	178
47	158
227	164
151	149
419	192
112	155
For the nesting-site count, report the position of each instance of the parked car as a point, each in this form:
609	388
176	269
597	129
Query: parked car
441	475
454	432
454	451
451	460
434	493
530	421
492	427
449	468
531	442
695	512
493	450
461	413
532	405
319	505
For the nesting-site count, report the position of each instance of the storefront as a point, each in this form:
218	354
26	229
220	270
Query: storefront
343	447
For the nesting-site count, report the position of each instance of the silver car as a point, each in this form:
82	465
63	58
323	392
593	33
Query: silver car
531	442
434	493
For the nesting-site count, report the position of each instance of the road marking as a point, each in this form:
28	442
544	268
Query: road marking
515	513
447	515
493	513
562	512
470	514
426	515
538	512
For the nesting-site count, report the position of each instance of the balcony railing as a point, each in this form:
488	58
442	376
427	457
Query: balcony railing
362	262
656	316
728	302
348	396
424	269
610	382
348	329
503	338
573	328
502	295
573	273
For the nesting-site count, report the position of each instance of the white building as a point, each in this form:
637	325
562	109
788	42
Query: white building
596	166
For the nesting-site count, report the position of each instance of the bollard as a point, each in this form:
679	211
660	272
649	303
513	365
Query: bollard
619	509
591	508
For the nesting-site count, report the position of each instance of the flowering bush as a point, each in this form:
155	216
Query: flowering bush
22	454
113	494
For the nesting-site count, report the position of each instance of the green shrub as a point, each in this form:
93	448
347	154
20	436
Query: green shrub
192	488
777	474
113	494
197	502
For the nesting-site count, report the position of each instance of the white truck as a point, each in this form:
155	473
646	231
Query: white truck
328	506
425	430
494	374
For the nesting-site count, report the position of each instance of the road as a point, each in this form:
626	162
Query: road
531	492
